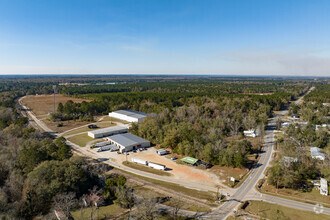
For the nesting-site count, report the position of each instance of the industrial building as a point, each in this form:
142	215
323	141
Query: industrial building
105	132
128	142
162	151
128	115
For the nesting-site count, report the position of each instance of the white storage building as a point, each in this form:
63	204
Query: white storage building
128	115
316	154
127	142
324	187
162	151
105	132
250	133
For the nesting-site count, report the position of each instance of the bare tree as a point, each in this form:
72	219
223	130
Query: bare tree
176	204
146	209
65	202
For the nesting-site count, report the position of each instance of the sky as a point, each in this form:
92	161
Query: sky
225	37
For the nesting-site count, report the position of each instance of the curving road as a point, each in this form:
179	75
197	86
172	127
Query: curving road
245	192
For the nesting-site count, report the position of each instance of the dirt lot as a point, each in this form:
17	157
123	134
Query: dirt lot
178	171
44	104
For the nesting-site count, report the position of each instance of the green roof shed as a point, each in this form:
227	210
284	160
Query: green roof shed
190	160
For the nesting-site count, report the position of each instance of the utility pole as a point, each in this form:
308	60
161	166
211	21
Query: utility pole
54	88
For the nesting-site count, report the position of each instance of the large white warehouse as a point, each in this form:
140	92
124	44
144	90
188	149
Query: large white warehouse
105	132
128	115
127	142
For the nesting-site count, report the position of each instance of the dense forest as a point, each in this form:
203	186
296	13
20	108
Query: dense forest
198	117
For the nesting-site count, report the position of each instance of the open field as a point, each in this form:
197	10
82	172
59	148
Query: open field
44	104
146	169
101	124
272	211
201	195
81	139
310	197
104	212
184	204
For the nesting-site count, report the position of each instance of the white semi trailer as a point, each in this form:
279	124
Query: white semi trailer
101	144
156	166
139	161
111	147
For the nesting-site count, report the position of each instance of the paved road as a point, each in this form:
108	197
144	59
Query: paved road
245	191
87	152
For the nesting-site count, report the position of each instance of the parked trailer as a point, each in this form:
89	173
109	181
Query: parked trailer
156	166
108	147
139	161
101	144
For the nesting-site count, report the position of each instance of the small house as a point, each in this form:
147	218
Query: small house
250	133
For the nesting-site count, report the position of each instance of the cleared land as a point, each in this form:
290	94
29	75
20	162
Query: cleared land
146	169
101	124
272	211
43	105
80	139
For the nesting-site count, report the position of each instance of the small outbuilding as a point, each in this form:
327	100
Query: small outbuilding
128	142
250	133
316	154
190	160
162	151
105	132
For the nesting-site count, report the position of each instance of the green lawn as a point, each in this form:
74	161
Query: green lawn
104	212
85	128
272	211
146	169
80	139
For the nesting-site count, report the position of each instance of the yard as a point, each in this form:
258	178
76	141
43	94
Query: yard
311	197
104	212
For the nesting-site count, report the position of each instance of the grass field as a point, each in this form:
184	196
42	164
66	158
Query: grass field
85	128
80	139
104	212
206	195
271	211
311	197
146	169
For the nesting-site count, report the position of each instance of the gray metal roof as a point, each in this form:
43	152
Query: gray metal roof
109	129
315	151
131	113
127	139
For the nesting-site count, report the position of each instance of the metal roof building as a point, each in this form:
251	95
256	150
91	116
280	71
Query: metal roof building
105	132
128	115
127	142
316	154
190	160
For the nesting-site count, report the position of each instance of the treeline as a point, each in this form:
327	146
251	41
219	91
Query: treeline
201	127
201	85
321	94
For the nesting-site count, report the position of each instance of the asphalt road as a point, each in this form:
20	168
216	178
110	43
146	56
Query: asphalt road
244	192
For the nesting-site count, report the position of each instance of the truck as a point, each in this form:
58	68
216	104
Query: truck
139	161
108	147
101	144
156	166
